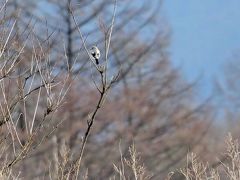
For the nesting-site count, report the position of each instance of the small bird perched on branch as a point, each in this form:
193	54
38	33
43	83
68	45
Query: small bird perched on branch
95	54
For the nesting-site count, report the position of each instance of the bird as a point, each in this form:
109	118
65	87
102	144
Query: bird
95	52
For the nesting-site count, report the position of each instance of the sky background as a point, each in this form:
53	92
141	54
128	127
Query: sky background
205	34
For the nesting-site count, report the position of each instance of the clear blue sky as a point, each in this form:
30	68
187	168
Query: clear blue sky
205	34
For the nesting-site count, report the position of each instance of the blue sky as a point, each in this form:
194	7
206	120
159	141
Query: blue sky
205	34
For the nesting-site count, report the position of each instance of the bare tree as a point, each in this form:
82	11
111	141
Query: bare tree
148	103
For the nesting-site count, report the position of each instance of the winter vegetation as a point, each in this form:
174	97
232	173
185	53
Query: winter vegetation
129	114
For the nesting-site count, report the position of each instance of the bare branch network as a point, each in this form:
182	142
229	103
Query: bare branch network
65	106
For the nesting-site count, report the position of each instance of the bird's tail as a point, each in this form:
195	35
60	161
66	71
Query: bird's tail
97	62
